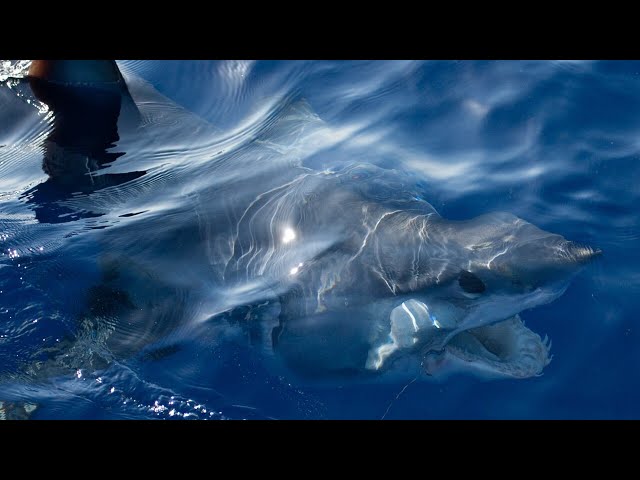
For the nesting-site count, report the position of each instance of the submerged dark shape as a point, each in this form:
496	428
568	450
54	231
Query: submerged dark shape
86	98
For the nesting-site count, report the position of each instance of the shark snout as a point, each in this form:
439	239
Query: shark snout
543	260
555	251
580	253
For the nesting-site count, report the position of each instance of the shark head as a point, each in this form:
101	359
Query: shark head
489	269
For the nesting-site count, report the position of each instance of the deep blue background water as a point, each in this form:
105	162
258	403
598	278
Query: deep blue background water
555	143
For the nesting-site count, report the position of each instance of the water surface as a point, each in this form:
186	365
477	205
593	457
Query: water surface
555	143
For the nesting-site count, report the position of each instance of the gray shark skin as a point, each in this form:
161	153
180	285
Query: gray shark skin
360	276
344	272
368	276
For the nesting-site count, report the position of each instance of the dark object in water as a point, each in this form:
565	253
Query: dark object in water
86	97
76	71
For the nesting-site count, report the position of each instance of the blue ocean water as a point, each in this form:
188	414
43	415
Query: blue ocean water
555	143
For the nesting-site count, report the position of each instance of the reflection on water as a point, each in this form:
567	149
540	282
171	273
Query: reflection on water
126	201
81	142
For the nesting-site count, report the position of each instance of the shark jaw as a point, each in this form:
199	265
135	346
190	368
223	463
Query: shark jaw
489	340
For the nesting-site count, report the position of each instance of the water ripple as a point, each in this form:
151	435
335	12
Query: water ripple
210	143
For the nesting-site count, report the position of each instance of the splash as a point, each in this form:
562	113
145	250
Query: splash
11	71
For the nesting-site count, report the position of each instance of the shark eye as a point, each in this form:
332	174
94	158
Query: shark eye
470	282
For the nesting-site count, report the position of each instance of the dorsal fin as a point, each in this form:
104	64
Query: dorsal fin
76	71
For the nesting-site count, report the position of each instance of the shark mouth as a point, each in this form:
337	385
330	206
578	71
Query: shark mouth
504	349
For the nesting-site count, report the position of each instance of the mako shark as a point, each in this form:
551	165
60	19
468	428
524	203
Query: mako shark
346	271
